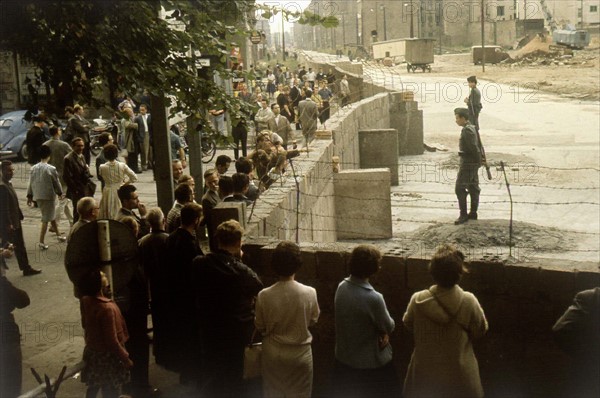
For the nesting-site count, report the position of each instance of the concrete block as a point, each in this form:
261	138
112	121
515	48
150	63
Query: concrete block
378	149
586	280
331	266
414	136
399	122
417	274
485	277
225	211
363	207
323	134
309	266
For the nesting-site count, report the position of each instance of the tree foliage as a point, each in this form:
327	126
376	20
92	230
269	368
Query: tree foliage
81	45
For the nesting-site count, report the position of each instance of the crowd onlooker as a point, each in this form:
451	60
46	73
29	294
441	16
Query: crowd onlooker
363	325
114	174
107	361
43	189
284	313
444	320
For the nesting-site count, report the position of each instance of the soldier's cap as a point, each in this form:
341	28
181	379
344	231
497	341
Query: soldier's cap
463	112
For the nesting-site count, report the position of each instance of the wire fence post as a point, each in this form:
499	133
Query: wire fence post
297	201
510	227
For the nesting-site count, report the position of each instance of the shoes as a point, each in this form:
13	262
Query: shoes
61	238
31	271
42	246
472	216
138	171
462	219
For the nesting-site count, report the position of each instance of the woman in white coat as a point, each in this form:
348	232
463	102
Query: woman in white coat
284	312
444	320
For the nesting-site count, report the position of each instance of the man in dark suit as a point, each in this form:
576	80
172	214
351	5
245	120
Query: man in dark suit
10	219
183	354
76	174
80	128
129	202
308	113
143	121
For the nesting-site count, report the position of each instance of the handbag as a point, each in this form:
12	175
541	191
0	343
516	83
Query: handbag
252	359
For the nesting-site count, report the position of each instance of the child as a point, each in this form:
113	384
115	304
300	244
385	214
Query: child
107	362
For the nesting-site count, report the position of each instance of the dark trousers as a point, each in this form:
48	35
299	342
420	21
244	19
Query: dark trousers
16	238
74	200
87	153
224	362
10	367
240	136
132	160
474	119
467	184
138	347
325	112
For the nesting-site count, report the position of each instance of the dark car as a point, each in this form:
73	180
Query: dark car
13	130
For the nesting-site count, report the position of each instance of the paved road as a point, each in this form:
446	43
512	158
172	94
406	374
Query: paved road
550	145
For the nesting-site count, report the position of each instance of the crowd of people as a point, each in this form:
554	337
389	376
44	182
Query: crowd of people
206	307
288	101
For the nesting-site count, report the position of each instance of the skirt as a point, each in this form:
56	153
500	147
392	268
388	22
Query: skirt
48	208
287	370
103	368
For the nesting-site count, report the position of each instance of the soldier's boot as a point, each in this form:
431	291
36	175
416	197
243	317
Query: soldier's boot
474	206
464	217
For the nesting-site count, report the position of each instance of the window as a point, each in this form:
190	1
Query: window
593	8
500	11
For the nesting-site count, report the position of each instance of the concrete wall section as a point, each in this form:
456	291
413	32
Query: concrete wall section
363	206
379	149
517	357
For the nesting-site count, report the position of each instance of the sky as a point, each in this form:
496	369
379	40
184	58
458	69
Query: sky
290	5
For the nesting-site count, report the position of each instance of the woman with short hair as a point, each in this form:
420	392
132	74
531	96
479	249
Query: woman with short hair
284	312
114	174
364	366
444	320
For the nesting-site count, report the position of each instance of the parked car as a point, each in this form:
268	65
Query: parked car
13	130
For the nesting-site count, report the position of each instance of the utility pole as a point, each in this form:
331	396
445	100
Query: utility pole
412	23
384	23
283	36
343	30
482	36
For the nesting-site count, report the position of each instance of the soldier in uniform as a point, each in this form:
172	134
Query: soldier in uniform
473	101
467	180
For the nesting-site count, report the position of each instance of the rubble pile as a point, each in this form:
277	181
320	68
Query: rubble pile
555	57
541	51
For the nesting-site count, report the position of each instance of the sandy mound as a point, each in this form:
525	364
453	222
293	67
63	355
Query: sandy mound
535	45
494	233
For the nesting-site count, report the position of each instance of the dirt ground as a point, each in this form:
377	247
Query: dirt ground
577	77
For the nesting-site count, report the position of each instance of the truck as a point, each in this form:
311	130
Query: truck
419	54
576	39
394	49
